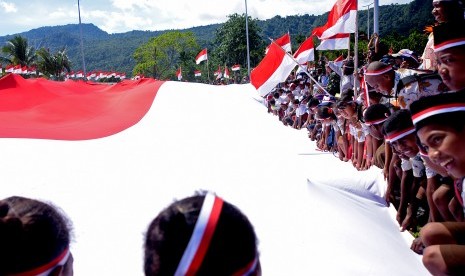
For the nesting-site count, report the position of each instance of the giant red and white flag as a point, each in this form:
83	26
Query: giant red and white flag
284	41
274	68
335	42
201	56
341	19
306	51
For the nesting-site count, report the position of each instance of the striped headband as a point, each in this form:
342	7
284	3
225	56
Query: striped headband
435	110
399	135
375	122
201	236
378	72
49	267
449	44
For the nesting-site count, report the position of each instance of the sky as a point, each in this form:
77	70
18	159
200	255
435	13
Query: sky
119	16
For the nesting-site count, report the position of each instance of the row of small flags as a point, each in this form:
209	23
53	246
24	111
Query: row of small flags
31	70
218	73
95	75
18	69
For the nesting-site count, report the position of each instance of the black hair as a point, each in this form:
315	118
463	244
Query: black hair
398	121
313	102
232	247
32	233
376	112
325	112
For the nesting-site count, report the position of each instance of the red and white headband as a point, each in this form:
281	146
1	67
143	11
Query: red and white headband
46	269
375	122
435	110
449	44
378	72
399	135
201	237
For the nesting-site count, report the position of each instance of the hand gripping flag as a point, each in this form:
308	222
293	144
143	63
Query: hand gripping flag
341	19
201	56
274	68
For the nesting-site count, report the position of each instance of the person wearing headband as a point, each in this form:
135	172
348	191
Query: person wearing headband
399	132
439	121
406	85
449	48
201	235
443	11
34	239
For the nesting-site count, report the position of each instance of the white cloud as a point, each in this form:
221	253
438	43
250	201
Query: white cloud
8	7
117	16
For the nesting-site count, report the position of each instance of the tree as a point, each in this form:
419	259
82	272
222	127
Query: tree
162	55
17	51
231	41
53	65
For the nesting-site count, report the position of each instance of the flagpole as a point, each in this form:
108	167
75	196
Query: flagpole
82	44
208	69
304	69
247	36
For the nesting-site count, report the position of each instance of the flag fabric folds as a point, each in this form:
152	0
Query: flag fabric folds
284	41
236	67
341	19
179	73
201	56
274	68
305	52
226	72
335	42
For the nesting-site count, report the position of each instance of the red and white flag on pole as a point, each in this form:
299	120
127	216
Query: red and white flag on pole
274	68
341	19
201	56
236	67
335	42
226	72
339	61
305	52
197	73
284	41
179	73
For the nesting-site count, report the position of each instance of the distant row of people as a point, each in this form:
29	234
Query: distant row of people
406	115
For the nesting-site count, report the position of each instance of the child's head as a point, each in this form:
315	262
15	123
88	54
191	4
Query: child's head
202	235
439	121
399	131
380	76
34	238
449	48
375	115
447	10
325	113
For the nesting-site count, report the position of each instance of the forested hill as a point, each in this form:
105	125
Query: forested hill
114	52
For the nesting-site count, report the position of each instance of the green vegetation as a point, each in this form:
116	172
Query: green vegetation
401	26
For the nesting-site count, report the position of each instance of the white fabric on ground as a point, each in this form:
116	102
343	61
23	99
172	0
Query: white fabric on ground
313	214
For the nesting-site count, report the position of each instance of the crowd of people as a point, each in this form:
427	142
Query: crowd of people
401	113
405	114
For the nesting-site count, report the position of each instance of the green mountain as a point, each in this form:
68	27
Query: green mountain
114	52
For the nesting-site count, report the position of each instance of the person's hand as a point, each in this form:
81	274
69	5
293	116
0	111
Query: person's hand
400	216
417	246
386	172
407	220
387	196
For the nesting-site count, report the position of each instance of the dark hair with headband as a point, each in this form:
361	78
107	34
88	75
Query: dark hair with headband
398	121
34	237
231	249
